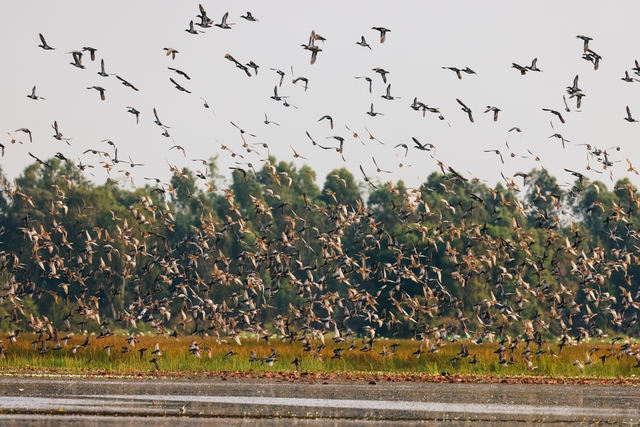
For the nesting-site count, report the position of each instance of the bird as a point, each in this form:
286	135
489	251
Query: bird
627	78
102	71
327	117
155	363
629	118
495	112
383	73
171	51
253	65
27	131
368	79
383	33
366	178
135	112
363	42
178	86
378	167
126	83
223	23
533	66
555	113
523	70
99	89
269	122
295	153
373	113
387	95
182	73
466	110
92	52
157	121
191	30
455	70
33	94
249	17
586	41
44	44
77	59
497	152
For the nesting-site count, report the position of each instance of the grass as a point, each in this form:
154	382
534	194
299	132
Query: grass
176	359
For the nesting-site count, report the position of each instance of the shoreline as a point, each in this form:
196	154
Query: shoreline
314	377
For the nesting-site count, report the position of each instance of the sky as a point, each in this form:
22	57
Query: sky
423	38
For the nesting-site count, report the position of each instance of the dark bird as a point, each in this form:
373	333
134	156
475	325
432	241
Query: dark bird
366	178
363	42
629	118
135	113
555	113
533	66
328	117
627	78
468	71
126	83
182	73
383	73
280	73
223	24
155	363
249	17
191	29
77	59
102	71
593	57
388	94
368	79
423	147
523	70
157	121
43	163
33	95
466	109
27	131
253	65
178	86
586	41
455	70
373	113
99	89
44	44
495	112
92	52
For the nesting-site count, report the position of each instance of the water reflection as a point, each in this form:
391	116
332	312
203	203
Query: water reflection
304	402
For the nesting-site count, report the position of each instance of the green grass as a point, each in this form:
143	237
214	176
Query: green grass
176	359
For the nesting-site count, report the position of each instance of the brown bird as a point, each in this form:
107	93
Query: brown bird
383	33
466	110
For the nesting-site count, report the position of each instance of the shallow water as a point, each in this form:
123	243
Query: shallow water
47	401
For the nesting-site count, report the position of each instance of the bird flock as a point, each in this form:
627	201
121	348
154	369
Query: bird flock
326	257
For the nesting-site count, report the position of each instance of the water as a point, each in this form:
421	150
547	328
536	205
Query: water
47	401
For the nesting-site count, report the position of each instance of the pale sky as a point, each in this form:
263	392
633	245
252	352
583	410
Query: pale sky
424	37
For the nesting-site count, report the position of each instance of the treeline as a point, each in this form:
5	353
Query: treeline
528	256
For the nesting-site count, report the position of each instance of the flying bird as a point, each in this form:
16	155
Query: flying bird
466	110
44	44
383	33
178	86
126	83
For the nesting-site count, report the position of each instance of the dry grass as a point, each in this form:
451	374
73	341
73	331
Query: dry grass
176	358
